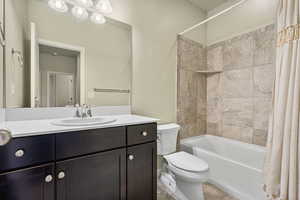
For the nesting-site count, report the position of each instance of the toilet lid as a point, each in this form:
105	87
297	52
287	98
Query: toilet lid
167	127
186	161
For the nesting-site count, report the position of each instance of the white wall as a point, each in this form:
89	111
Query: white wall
16	15
247	17
1	63
1	78
155	26
66	64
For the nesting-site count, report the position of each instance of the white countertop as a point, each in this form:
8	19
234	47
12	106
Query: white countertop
46	126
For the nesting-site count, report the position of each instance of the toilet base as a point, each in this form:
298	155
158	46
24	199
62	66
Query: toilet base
193	191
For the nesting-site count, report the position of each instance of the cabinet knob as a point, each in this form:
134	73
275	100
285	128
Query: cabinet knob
61	175
131	157
5	137
19	153
48	178
144	133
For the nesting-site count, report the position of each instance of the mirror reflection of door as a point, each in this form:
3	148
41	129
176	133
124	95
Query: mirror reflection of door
58	76
60	91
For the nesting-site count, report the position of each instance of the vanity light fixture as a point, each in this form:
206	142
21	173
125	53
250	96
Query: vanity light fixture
82	9
58	5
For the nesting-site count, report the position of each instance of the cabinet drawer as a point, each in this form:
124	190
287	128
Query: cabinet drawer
89	141
141	133
27	151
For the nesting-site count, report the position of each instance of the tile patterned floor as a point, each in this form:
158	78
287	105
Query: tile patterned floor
213	193
210	193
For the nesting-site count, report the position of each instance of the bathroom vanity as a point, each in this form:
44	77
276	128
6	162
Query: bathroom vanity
107	163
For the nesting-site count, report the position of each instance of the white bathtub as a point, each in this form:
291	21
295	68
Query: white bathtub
235	167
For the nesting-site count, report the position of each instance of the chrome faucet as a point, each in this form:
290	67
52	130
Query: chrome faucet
83	111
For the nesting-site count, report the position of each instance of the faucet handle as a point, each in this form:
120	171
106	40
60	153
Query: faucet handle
89	111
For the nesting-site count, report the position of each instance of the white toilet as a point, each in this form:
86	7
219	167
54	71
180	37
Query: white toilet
189	171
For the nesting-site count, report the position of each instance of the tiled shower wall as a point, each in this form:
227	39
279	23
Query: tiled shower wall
239	98
236	102
191	88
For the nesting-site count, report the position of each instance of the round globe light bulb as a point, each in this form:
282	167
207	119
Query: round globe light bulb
58	5
80	13
85	3
97	18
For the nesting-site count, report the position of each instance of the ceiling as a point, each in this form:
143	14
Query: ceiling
208	5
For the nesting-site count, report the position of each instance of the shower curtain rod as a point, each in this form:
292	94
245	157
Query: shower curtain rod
212	17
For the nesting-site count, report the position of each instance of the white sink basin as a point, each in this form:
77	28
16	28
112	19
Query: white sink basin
89	121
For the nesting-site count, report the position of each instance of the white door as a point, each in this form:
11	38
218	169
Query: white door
64	90
60	90
34	67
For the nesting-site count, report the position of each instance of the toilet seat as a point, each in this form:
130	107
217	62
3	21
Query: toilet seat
187	162
187	167
188	171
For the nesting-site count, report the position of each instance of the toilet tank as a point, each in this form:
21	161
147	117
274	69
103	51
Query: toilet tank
167	138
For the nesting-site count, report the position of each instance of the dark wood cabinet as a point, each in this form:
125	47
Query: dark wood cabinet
94	177
27	151
138	134
35	183
89	141
103	164
141	172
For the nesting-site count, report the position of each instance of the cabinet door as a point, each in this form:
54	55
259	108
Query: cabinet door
141	172
29	184
100	176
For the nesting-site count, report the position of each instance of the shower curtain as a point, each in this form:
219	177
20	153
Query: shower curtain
283	149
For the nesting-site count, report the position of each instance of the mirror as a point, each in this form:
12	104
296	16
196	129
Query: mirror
56	60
